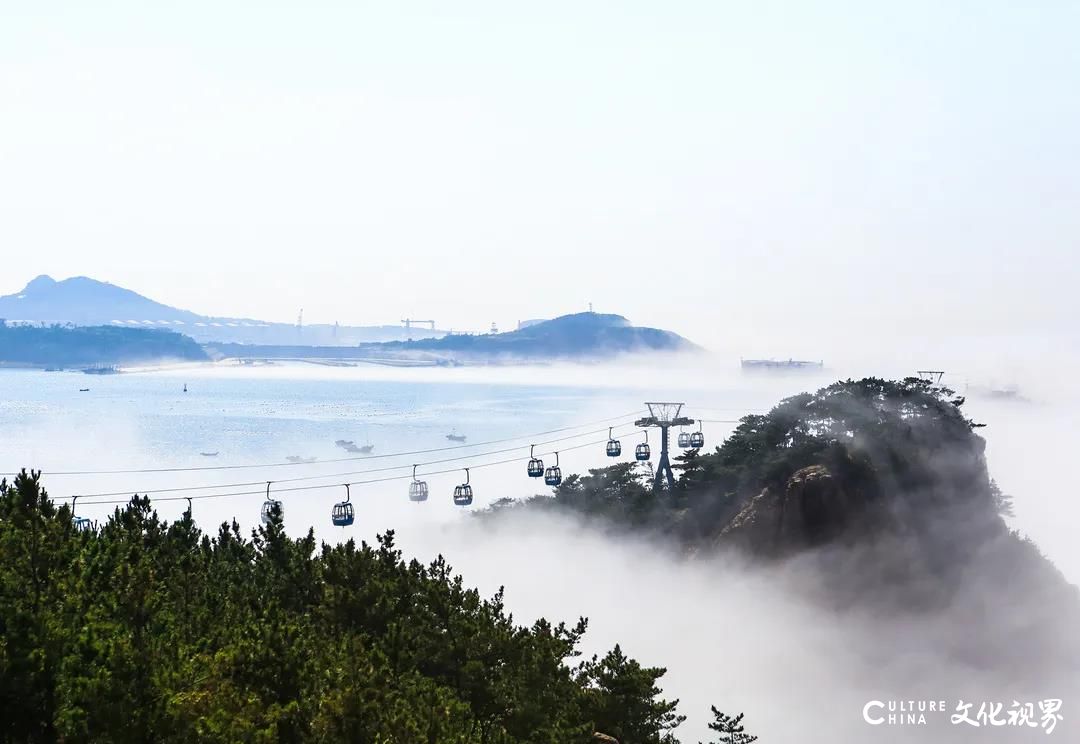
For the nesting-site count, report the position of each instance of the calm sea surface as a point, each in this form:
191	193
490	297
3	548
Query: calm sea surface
261	416
257	417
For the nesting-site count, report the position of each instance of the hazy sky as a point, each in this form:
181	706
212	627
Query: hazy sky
727	170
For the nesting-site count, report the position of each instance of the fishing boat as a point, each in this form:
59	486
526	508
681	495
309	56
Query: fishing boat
350	446
209	454
454	437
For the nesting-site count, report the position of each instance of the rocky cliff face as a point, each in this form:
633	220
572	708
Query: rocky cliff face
812	508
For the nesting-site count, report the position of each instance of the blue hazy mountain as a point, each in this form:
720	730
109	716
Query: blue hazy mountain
84	301
580	335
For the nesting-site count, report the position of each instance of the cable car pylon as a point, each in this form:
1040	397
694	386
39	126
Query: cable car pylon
663	416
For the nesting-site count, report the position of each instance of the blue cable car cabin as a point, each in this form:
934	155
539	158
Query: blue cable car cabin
418	491
684	439
463	493
553	476
81	524
614	446
342	514
697	440
536	465
642	451
272	509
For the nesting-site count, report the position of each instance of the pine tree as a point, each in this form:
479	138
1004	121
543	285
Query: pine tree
730	729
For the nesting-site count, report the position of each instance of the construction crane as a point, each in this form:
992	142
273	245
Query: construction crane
409	323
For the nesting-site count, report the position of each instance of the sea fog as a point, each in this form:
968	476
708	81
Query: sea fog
732	635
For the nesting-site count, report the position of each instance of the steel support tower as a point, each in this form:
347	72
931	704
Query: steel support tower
663	416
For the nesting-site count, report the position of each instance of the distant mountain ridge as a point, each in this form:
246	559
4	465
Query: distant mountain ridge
579	335
84	301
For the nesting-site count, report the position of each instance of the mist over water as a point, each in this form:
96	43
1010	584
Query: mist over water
745	637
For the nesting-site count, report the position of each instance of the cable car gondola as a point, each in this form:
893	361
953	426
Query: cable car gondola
342	513
642	452
553	475
536	465
614	447
463	493
81	524
684	439
418	490
271	509
697	439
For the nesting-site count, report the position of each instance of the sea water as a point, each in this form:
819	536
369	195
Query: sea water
263	415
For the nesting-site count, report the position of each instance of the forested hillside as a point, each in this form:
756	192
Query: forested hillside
846	462
578	336
64	346
149	631
893	471
880	488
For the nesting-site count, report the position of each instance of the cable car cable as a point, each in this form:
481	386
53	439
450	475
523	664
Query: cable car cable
388	468
317	487
134	471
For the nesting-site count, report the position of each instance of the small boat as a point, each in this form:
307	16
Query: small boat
350	446
84	390
456	437
209	454
185	387
296	459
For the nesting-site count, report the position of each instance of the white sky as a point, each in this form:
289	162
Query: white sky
731	171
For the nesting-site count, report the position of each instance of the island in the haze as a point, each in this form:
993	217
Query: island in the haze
578	337
101	323
92	347
84	301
